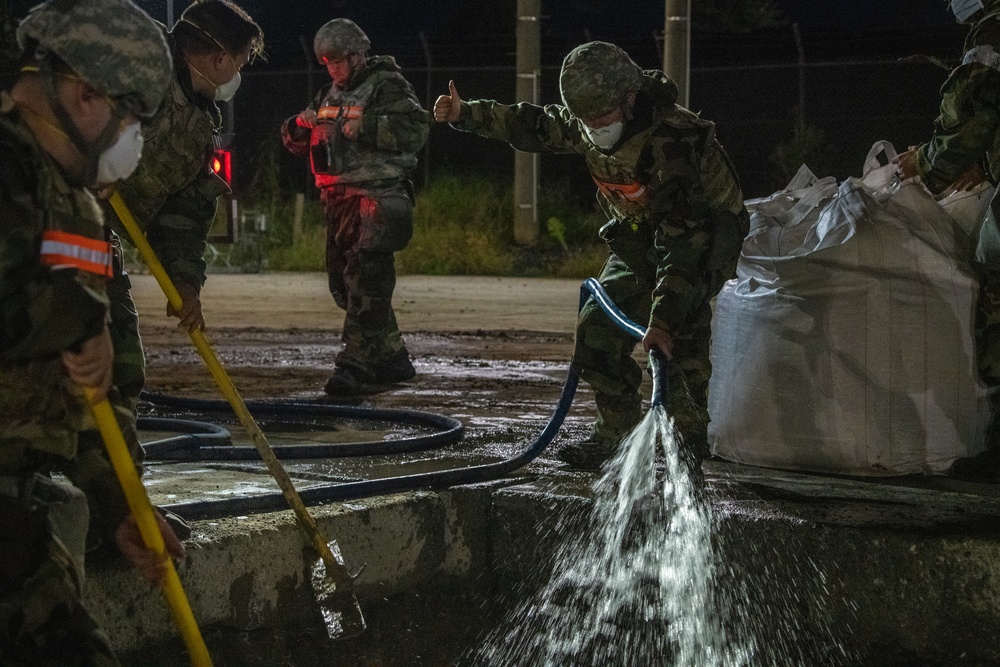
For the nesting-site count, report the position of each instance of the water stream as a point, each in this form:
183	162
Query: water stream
637	583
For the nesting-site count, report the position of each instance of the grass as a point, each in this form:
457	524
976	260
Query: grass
462	225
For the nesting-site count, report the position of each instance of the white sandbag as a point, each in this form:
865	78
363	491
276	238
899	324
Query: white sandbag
845	344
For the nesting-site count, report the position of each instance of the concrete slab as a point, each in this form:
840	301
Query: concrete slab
893	572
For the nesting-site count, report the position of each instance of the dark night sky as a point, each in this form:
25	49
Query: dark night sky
867	13
481	31
857	90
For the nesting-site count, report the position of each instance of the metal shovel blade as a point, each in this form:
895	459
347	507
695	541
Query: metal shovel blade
337	603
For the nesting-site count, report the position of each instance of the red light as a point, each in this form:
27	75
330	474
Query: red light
221	164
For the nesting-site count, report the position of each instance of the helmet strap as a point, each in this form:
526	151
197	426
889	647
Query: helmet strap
91	152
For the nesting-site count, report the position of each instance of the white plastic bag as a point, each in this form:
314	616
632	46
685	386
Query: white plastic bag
845	344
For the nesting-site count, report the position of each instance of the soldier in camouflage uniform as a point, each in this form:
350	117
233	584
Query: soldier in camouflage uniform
173	193
89	68
677	223
964	150
362	134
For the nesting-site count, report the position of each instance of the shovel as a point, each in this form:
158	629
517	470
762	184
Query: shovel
332	583
142	511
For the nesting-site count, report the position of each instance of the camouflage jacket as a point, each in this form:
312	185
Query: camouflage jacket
393	129
173	193
967	129
54	263
667	185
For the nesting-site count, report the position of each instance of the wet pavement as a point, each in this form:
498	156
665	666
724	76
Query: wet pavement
503	384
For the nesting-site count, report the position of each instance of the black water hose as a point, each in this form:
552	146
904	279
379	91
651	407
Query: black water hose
207	447
660	367
341	491
661	377
196	434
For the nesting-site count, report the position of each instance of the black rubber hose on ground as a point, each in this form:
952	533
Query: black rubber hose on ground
341	491
195	434
198	447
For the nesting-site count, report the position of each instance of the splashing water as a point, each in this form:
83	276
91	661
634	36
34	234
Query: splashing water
635	585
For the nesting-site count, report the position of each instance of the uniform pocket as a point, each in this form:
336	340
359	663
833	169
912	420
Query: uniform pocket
386	221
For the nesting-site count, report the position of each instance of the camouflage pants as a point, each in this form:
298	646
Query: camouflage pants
363	230
988	343
603	358
42	619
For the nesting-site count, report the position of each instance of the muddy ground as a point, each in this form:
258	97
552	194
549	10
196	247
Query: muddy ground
277	333
491	352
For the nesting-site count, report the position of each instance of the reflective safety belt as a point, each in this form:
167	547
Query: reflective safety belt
633	192
62	249
337	113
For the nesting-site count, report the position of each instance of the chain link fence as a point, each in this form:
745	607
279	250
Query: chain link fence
756	107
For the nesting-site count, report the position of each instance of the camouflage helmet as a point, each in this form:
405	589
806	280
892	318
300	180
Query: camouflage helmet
112	45
338	38
595	77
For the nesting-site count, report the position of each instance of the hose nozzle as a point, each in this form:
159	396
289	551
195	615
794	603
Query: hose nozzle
661	376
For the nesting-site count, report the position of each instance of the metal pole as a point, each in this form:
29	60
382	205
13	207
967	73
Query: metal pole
529	49
429	102
677	46
170	13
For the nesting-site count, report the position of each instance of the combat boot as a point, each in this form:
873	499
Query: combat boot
983	467
345	381
397	368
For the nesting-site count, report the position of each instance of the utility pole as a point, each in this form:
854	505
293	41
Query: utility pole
529	48
677	46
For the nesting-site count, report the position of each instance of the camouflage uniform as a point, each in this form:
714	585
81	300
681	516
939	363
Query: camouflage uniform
677	222
966	133
54	264
43	414
173	195
368	204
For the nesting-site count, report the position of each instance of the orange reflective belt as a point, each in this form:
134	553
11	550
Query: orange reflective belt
62	249
628	192
336	113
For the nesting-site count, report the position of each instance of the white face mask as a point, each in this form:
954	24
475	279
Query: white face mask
965	9
607	136
225	92
121	159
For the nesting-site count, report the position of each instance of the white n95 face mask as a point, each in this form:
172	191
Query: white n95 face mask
607	136
965	9
226	91
121	159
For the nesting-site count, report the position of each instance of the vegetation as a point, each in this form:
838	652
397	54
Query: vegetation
462	225
808	145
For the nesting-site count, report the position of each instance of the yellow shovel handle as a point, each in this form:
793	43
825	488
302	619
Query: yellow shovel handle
336	569
142	510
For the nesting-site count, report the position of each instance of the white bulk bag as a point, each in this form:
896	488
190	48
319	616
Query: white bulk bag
845	344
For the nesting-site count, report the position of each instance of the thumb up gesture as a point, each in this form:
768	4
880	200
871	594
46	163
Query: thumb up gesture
448	108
